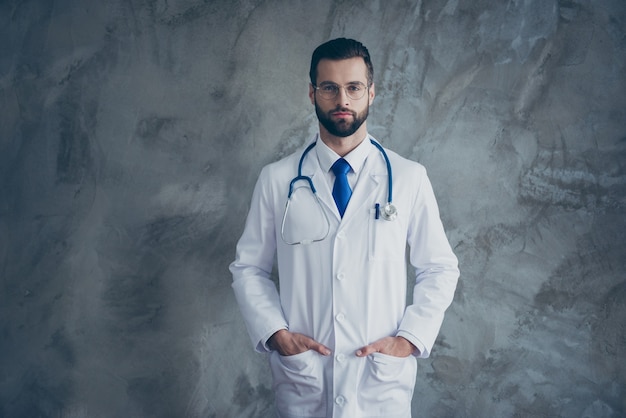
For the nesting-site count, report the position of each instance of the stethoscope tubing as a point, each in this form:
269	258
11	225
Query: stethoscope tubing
389	174
308	179
300	176
388	212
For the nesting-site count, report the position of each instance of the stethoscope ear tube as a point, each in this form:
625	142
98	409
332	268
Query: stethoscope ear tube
296	179
321	210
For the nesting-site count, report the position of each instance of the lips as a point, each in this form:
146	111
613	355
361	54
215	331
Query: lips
342	114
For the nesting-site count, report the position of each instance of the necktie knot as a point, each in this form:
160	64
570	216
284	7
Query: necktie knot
341	188
341	167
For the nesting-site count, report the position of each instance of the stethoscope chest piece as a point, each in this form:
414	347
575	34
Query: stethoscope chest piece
389	212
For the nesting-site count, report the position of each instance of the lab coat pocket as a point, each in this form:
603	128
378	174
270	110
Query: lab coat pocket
387	384
298	383
387	239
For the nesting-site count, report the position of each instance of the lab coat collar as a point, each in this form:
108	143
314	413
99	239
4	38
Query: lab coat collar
356	157
371	170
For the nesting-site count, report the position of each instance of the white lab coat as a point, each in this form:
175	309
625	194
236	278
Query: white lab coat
348	290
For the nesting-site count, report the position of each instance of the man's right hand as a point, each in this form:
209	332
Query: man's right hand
291	343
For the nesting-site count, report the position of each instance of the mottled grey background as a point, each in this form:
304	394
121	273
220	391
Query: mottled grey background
131	134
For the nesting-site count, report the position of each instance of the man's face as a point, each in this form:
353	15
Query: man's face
342	116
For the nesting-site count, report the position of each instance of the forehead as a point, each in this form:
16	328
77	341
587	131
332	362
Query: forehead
342	71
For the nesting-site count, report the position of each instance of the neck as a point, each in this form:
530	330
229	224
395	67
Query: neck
343	145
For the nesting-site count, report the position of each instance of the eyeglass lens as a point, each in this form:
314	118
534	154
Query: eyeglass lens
354	91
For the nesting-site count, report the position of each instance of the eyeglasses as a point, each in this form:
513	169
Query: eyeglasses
329	91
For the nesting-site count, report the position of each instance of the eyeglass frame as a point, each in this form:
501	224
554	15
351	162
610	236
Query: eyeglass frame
344	87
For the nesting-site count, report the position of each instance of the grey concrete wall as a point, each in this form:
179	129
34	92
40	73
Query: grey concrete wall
131	134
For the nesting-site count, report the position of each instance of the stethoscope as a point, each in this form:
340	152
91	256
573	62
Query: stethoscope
388	212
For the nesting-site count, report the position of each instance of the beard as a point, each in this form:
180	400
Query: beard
341	128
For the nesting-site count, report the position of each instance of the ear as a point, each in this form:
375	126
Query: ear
312	94
372	94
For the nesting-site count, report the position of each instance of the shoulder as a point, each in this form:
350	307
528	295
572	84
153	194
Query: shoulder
286	166
403	165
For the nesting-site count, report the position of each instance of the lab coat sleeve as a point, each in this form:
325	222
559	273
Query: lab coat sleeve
436	270
255	292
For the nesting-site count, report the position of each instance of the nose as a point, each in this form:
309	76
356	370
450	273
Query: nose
342	96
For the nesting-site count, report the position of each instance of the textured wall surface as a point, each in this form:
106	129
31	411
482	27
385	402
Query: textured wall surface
131	134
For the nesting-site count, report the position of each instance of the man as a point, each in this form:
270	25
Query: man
341	339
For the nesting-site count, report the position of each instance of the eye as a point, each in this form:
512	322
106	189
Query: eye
355	87
329	88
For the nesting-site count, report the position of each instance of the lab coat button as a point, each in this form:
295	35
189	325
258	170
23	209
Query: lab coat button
340	400
340	317
341	358
341	276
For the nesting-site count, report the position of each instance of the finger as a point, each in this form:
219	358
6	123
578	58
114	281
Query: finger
366	351
311	344
322	349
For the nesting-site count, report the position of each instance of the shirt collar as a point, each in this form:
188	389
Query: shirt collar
356	157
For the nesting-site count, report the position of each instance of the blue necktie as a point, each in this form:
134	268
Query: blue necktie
341	189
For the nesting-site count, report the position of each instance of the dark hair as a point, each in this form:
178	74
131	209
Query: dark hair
340	49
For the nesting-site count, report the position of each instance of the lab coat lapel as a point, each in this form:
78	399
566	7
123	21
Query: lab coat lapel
371	184
324	193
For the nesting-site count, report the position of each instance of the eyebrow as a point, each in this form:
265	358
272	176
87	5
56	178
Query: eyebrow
349	82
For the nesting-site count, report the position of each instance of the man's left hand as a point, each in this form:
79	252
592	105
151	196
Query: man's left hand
391	346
